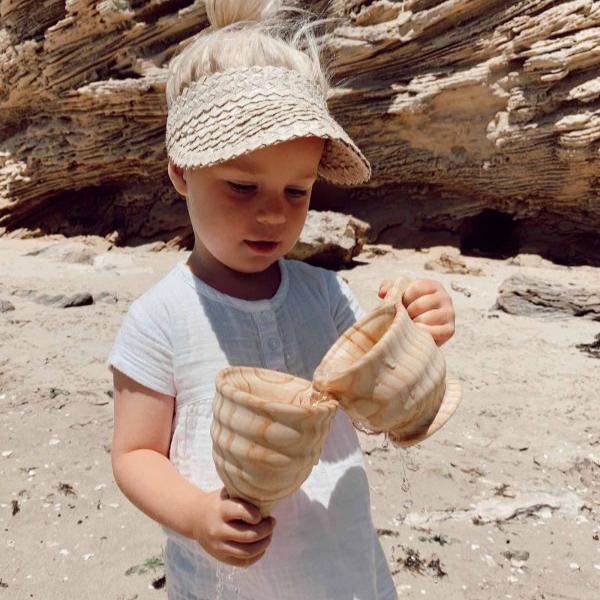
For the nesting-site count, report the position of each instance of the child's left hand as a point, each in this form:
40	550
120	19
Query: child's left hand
428	305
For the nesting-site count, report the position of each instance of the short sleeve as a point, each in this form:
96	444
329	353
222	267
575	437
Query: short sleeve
345	308
143	351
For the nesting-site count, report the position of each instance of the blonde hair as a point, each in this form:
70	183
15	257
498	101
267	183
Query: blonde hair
246	33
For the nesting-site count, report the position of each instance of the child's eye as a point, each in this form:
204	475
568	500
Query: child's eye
297	193
240	188
247	189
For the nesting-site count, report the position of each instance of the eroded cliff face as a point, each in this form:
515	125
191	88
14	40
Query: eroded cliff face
481	119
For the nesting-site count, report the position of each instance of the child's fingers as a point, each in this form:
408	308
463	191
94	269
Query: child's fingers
422	305
384	286
439	333
246	551
418	288
437	316
248	534
239	562
242	563
238	509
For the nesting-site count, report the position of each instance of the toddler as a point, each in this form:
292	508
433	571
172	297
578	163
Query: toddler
248	134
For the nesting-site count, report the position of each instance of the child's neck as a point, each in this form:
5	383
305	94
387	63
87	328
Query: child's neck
246	286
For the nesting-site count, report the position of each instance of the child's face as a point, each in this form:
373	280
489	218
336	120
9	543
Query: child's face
262	196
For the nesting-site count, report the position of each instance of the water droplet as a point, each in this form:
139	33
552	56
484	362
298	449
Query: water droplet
227	586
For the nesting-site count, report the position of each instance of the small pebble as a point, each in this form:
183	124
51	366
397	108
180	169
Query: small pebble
6	306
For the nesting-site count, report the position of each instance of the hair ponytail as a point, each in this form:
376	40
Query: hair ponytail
222	13
247	33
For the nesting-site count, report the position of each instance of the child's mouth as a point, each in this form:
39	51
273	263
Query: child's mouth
262	247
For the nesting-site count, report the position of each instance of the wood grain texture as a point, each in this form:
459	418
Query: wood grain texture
267	434
389	375
269	428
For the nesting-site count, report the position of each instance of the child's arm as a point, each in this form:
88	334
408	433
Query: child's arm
229	529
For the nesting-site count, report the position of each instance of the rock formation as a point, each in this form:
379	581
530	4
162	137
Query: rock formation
481	119
330	238
527	295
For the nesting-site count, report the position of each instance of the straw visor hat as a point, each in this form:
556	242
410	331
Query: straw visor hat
227	114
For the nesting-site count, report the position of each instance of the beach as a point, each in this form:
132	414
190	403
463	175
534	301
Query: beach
501	503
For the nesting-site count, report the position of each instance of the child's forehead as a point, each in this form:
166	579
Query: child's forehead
259	171
258	167
300	157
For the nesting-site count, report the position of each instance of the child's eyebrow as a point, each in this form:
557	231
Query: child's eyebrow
255	170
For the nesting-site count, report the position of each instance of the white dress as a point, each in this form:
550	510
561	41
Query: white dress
174	339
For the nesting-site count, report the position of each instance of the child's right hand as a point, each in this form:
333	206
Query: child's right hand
232	530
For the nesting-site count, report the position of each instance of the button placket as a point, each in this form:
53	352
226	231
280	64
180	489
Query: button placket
271	343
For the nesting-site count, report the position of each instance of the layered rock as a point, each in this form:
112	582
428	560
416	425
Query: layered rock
526	295
481	119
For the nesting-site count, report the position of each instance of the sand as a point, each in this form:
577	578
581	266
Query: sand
501	503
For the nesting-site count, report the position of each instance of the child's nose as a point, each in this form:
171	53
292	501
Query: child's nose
272	211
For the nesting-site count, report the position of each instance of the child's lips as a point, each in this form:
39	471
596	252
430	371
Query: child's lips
262	246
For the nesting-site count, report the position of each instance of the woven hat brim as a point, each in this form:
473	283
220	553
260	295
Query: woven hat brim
342	163
236	117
